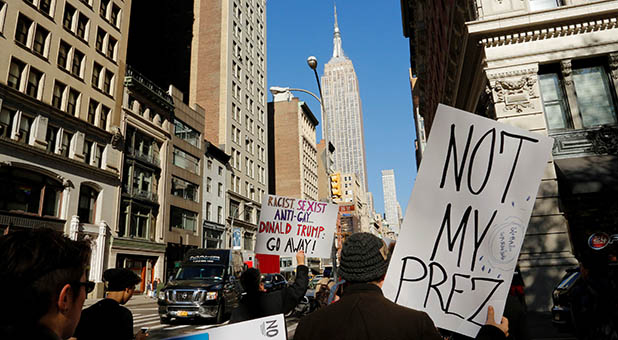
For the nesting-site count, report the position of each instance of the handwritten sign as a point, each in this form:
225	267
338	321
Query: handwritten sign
270	328
466	219
288	225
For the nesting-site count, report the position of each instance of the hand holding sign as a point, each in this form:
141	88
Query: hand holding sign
288	225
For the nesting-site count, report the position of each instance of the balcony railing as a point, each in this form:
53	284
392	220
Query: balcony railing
141	194
133	78
585	142
152	158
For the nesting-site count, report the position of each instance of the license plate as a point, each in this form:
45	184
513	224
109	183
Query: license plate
182	313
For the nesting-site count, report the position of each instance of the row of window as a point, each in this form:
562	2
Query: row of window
21	127
27	79
210	217
209	187
35	194
582	99
186	133
186	161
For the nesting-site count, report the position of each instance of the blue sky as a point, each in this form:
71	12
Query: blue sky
372	38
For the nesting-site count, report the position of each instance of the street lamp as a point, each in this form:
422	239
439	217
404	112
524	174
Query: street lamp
313	64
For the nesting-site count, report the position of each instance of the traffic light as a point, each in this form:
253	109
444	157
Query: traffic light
335	185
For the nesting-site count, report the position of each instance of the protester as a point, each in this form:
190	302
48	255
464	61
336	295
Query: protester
257	303
108	319
363	312
43	280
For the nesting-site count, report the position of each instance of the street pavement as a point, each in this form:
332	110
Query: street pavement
145	314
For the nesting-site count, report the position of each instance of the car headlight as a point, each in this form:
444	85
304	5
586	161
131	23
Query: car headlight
211	296
162	295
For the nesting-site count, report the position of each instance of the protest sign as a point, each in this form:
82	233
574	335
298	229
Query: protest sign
270	327
288	225
466	219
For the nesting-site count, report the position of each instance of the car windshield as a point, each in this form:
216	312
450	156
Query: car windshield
200	273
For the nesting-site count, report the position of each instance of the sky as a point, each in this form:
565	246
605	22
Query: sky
372	37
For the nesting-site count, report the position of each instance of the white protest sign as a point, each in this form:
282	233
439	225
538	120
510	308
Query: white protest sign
270	328
466	219
288	225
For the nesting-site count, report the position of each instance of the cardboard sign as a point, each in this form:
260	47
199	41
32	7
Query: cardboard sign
466	219
288	225
270	328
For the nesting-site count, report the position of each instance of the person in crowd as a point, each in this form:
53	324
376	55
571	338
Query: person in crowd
593	299
108	319
153	292
257	303
363	312
43	278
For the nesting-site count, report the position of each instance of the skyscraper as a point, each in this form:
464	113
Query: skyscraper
391	206
228	79
344	113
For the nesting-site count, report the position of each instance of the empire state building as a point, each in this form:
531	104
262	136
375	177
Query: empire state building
344	112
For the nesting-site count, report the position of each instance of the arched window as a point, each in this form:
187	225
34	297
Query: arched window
29	192
87	204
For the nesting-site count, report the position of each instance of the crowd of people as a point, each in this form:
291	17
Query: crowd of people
45	273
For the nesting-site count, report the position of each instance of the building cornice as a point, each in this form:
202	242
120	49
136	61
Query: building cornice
70	164
552	23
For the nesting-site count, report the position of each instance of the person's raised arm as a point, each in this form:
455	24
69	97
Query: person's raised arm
297	290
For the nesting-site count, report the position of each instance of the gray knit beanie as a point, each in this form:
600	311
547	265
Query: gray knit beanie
363	258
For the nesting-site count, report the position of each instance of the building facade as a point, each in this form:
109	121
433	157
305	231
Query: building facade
292	150
147	122
342	104
228	79
185	199
61	82
391	205
215	171
545	66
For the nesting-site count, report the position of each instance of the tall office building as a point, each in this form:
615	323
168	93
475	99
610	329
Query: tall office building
344	113
292	151
228	79
391	206
62	66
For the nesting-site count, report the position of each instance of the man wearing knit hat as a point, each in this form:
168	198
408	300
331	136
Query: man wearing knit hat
364	313
108	319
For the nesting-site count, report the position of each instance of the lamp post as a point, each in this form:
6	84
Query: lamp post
313	64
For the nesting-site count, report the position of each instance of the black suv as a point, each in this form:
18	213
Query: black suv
205	286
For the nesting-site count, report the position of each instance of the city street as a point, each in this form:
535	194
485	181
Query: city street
145	314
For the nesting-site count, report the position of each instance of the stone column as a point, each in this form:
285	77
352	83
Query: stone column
98	255
613	67
74	227
569	87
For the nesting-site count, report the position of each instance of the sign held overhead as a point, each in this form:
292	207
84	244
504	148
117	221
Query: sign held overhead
466	219
288	225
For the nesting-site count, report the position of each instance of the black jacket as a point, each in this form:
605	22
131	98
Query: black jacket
253	306
106	319
364	313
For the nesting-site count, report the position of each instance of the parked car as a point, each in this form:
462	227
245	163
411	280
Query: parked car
561	310
205	286
274	282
